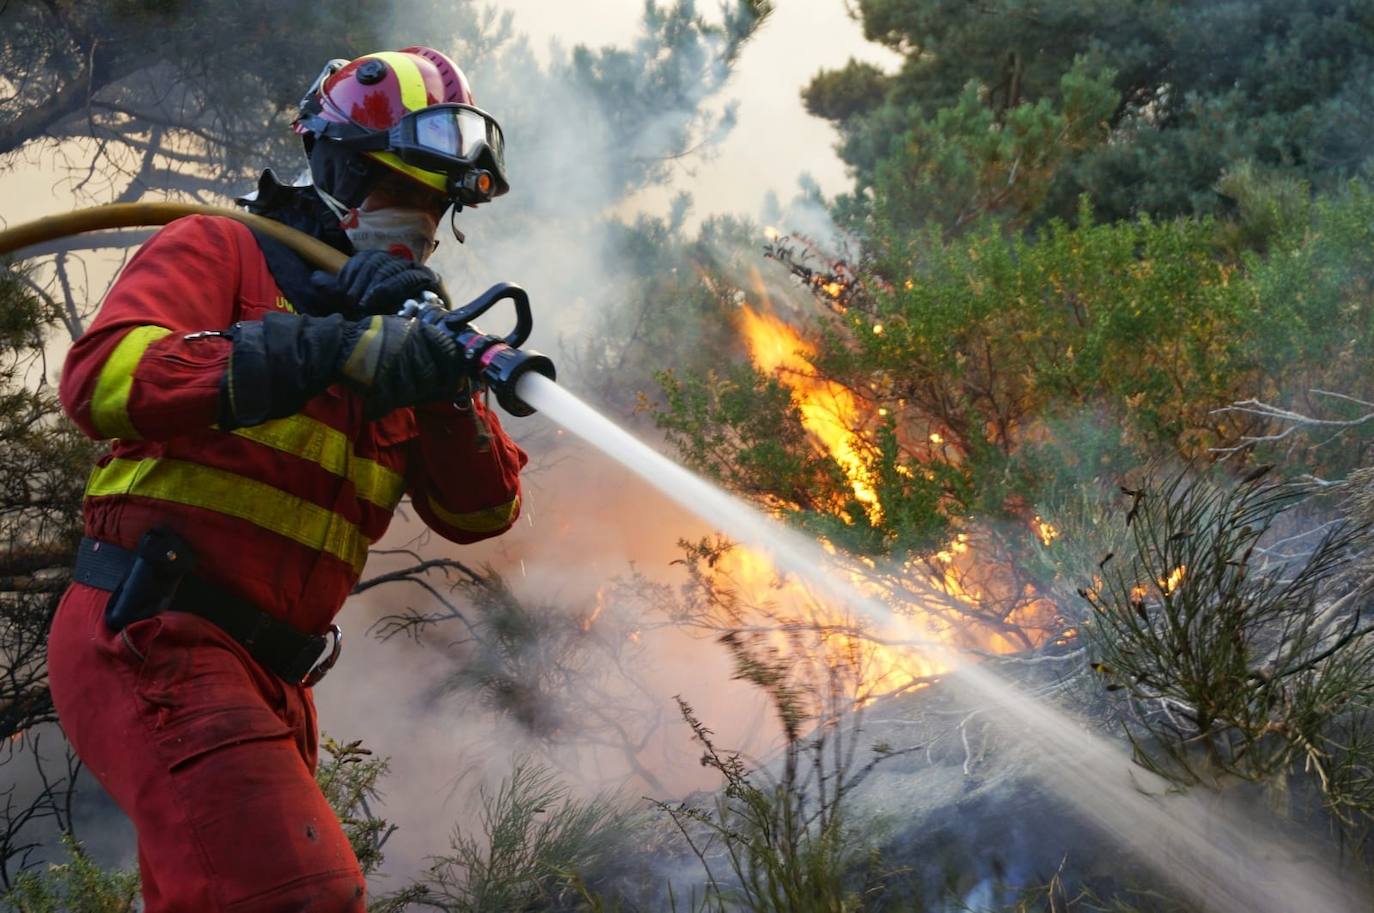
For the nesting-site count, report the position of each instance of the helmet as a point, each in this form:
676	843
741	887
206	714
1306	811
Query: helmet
409	112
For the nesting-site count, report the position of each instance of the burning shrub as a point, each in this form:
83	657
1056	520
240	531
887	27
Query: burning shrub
1234	628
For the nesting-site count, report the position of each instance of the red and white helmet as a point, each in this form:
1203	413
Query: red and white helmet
411	112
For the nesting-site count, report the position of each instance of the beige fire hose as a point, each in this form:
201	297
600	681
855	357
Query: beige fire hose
132	215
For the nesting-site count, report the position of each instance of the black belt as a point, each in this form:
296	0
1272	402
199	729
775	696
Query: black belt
295	656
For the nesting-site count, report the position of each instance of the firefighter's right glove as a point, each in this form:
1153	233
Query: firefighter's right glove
375	282
396	361
281	362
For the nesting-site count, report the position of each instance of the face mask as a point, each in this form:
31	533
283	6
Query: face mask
407	233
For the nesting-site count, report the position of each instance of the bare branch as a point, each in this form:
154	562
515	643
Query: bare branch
1291	421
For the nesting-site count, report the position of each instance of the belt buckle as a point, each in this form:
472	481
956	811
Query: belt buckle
322	667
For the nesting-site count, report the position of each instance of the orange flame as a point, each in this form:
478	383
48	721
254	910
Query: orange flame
1171	583
1046	532
586	622
828	410
883	667
830	413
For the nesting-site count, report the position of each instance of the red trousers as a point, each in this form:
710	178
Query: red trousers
210	755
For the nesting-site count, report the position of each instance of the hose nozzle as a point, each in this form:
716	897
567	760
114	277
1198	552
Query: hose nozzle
502	368
495	361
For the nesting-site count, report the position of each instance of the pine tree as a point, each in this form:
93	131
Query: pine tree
1195	89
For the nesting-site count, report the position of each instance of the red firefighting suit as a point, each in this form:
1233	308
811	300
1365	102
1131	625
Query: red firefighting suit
211	755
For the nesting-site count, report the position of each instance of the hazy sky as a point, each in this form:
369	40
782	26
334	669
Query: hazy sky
776	140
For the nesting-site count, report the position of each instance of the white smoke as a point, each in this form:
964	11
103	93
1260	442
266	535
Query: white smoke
584	521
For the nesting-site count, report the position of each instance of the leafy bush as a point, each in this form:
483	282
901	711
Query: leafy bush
78	885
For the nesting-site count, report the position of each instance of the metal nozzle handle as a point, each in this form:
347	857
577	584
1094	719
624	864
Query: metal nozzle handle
524	319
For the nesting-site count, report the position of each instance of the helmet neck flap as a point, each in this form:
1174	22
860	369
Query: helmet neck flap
342	173
300	207
296	205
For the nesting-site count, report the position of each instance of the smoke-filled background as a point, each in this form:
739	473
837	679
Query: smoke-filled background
612	116
1047	330
665	137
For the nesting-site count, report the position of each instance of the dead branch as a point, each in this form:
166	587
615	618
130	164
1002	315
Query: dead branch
1291	421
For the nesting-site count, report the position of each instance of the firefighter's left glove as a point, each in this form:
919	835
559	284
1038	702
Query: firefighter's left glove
281	362
375	282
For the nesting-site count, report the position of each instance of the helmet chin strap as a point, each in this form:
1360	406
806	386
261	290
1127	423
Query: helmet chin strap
341	212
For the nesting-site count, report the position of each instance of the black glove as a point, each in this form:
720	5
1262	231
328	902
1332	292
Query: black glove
277	365
375	282
281	362
397	361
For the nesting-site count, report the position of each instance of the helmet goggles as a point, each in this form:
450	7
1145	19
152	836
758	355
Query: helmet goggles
462	142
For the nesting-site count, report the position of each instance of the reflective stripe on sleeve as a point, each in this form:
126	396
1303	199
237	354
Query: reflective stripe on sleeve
330	449
491	520
110	401
262	505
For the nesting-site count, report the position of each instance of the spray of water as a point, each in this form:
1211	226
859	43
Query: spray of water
1221	858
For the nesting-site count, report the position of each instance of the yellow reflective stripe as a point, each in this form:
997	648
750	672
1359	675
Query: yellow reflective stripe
491	520
431	178
224	492
110	401
408	75
361	366
330	449
377	484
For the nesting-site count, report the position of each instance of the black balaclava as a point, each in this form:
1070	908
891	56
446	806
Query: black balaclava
301	208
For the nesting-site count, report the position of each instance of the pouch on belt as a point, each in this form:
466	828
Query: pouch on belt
161	560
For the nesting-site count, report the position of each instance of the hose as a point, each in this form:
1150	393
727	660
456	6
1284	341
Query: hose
501	373
131	215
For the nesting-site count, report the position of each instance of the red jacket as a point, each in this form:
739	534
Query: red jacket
282	513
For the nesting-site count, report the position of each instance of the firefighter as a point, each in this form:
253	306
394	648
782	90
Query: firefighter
265	421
